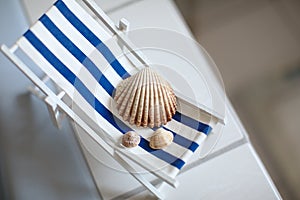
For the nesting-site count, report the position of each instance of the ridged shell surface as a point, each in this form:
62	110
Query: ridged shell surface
145	99
161	138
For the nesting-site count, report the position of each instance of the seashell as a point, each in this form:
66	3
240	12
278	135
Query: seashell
145	99
131	139
161	138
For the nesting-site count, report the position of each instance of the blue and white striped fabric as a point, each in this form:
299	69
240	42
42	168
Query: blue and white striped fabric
84	60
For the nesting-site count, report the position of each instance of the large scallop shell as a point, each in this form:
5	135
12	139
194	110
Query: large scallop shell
161	138
145	99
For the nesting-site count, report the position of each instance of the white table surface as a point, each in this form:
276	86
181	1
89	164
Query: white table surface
232	170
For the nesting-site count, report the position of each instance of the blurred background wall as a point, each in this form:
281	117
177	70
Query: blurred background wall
256	46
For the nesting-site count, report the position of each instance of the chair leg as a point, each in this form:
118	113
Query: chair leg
55	115
151	188
36	91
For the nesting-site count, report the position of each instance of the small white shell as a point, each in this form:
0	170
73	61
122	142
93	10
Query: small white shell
145	99
161	138
131	139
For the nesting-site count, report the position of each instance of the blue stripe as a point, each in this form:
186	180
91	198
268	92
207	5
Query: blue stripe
94	102
182	141
78	54
92	38
206	129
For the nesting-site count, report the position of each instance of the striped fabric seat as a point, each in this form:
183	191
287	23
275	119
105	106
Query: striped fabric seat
85	61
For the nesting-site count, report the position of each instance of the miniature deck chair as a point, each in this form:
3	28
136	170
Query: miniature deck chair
79	55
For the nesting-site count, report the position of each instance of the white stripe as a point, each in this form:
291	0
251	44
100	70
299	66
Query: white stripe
96	28
120	55
87	20
195	113
70	31
56	47
85	46
174	149
185	131
32	53
26	46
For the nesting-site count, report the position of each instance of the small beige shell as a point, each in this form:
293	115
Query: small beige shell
161	138
131	139
145	99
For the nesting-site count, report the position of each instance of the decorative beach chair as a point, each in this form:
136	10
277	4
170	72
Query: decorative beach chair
79	56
